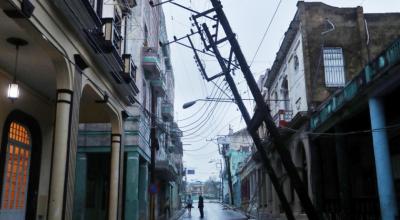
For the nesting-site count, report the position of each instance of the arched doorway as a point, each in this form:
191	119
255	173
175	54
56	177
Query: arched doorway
19	167
96	193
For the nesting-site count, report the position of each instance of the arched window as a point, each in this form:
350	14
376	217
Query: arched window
296	63
285	94
16	172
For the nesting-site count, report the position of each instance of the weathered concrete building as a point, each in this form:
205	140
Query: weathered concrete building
323	51
77	118
235	148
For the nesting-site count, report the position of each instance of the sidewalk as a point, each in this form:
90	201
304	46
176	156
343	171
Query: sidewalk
177	214
236	209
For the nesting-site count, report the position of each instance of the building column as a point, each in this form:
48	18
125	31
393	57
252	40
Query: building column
131	186
269	193
275	204
275	199
80	187
296	200
114	176
60	155
286	188
143	192
343	173
387	194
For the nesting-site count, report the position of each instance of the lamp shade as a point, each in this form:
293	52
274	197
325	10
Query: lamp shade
188	104
13	91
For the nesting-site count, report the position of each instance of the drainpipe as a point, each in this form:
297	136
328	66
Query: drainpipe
154	144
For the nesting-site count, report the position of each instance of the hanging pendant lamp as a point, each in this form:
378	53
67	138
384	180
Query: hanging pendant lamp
13	88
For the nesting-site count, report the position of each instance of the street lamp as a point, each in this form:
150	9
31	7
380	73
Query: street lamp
189	104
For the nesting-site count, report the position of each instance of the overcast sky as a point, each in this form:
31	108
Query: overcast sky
249	20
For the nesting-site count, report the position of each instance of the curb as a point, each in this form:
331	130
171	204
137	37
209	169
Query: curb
177	214
236	209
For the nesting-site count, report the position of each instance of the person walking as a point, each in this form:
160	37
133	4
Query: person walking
201	206
189	204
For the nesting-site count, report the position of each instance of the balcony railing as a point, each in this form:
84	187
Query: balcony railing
386	60
159	87
129	71
151	63
112	35
165	165
167	111
93	12
283	117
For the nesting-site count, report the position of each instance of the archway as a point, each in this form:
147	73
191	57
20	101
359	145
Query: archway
98	157
21	148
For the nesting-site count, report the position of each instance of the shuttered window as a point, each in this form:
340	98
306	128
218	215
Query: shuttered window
334	67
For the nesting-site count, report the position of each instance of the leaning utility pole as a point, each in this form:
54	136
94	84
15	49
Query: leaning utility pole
225	147
262	112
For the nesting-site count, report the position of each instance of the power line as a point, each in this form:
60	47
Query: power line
204	122
204	104
219	131
266	32
209	129
394	126
209	104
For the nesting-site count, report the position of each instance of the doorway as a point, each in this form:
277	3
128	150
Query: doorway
19	167
92	186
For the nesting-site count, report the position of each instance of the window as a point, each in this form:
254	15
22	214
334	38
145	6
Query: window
334	67
97	6
117	38
296	63
16	171
245	148
285	93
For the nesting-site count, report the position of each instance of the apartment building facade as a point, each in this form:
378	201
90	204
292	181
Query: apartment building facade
77	118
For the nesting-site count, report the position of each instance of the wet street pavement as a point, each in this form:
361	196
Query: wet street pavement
213	211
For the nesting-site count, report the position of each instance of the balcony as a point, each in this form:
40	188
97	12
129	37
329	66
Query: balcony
283	117
165	167
128	73
161	127
167	111
171	148
151	63
159	87
112	35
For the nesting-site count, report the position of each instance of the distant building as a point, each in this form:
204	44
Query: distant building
196	189
235	148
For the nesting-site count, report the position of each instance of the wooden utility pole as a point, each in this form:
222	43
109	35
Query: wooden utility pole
262	112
